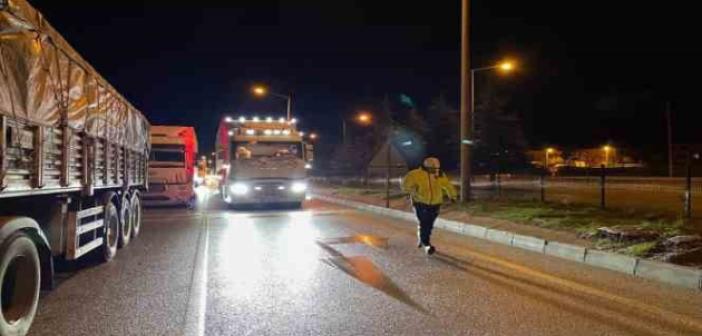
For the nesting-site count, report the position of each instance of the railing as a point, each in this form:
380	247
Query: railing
35	159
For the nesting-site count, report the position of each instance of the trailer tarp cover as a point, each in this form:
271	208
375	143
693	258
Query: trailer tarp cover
45	81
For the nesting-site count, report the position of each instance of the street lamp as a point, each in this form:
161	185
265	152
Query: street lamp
262	91
504	66
362	118
607	149
549	151
313	136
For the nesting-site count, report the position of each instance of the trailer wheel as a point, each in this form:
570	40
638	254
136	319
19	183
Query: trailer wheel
125	221
20	272
136	214
111	232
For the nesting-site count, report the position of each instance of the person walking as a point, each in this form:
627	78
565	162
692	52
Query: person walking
427	186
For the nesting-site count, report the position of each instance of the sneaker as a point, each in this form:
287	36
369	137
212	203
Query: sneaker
429	249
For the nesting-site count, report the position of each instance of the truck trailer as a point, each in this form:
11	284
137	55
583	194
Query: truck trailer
262	161
73	162
171	166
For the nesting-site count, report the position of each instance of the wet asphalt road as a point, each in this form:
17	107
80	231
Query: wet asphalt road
326	270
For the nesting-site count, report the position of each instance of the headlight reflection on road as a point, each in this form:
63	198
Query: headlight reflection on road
300	258
252	249
241	253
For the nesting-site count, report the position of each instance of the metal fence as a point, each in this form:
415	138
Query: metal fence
672	196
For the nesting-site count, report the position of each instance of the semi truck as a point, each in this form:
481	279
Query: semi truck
262	161
73	162
171	166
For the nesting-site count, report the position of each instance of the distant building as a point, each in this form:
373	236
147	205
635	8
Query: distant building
609	156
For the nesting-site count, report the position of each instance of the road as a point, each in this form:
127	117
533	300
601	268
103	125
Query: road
327	270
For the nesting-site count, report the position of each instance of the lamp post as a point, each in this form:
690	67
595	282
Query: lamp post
548	151
362	118
505	66
262	91
607	149
466	102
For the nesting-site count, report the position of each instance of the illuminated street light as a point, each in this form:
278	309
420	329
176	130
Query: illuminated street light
607	149
549	151
506	66
259	90
262	91
363	118
313	136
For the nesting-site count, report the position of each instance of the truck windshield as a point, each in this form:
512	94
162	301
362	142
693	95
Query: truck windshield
167	156
257	149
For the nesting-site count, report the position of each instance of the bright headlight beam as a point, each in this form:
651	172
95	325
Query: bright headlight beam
299	187
239	189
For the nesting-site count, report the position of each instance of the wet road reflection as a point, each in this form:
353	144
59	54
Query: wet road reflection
364	270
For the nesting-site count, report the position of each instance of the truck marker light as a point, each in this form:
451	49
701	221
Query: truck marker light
281	120
267	132
250	132
228	119
269	120
286	132
231	133
255	119
276	132
242	120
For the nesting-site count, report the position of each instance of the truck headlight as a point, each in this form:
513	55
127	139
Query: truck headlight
239	188
299	187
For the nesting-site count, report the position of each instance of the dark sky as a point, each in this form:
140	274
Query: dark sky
590	71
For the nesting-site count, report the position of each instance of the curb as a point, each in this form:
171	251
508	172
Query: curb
681	276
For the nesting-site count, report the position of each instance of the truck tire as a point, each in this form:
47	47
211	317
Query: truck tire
125	222
110	232
20	273
136	214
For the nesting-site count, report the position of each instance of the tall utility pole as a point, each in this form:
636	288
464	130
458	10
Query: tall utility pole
668	120
466	103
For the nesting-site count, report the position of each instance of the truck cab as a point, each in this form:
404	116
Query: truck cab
262	161
171	166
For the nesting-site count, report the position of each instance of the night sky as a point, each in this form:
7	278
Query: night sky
590	72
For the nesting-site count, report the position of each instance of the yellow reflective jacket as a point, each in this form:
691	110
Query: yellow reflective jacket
427	188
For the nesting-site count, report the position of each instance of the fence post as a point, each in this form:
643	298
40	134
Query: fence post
602	186
688	188
498	180
387	176
542	187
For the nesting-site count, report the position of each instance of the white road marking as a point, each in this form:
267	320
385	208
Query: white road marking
197	300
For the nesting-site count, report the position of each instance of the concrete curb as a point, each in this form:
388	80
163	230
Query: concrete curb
615	262
565	251
686	277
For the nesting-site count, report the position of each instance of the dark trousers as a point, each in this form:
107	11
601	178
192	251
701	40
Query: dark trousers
426	214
